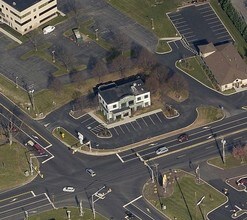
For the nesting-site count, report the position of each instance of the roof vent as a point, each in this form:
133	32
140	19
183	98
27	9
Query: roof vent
134	84
14	3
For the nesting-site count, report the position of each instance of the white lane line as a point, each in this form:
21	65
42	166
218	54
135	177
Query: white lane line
120	158
209	147
224	36
138	124
237	138
50	201
209	19
48	146
132	201
177	19
204	16
213	22
33	193
218	29
91	123
191	36
217	25
143	212
158	117
222	32
185	25
181	22
183	155
86	120
185	29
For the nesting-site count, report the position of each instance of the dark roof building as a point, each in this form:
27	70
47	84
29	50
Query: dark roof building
21	5
113	92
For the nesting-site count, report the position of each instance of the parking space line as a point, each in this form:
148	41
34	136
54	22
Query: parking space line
217	25
208	19
86	120
181	22
151	119
158	117
185	25
203	7
132	126
145	122
120	158
185	29
218	29
121	129
190	36
204	16
188	32
116	131
175	15
222	32
204	12
127	127
138	124
91	123
224	36
212	22
132	201
177	19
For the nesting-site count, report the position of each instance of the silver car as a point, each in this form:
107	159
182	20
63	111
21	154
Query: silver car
90	172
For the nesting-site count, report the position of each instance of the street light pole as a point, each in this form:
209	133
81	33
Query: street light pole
16	82
223	141
53	56
32	98
93	201
96	34
152	23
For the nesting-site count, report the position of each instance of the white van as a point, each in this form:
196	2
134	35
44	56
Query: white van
161	150
48	29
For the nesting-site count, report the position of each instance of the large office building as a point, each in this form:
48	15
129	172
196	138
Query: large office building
26	15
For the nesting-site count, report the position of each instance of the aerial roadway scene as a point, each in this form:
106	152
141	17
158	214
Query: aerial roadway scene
123	109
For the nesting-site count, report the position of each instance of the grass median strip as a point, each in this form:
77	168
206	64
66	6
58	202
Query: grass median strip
61	213
182	194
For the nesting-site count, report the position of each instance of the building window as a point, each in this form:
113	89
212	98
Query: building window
25	30
139	98
123	105
30	27
146	96
35	16
114	106
225	86
131	102
34	10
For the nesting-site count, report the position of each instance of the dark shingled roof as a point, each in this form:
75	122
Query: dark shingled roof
21	5
113	92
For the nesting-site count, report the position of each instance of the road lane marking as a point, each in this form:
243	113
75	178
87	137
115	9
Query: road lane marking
151	119
120	158
33	193
145	122
132	126
183	155
132	201
50	201
116	131
209	147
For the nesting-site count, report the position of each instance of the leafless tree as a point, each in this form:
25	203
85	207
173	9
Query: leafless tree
100	70
152	83
146	60
177	84
55	85
64	56
74	8
78	79
121	64
35	38
239	152
121	42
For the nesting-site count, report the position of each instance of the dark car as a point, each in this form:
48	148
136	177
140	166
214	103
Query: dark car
183	137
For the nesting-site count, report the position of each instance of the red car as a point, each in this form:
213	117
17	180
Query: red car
183	137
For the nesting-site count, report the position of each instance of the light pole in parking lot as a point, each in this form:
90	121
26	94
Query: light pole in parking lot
96	34
31	91
152	23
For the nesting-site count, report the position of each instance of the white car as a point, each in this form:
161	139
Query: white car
91	172
69	189
48	29
161	150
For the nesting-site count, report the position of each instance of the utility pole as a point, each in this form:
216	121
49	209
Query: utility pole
198	173
152	23
223	141
96	34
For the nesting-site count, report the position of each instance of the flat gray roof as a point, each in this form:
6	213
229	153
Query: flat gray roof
21	5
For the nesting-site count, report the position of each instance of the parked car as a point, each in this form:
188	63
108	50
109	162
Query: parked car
161	150
183	137
39	149
48	29
90	172
69	189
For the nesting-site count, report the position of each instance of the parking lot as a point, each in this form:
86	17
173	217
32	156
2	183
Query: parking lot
198	24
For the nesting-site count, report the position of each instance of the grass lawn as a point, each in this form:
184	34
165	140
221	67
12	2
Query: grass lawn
143	10
61	214
240	42
182	196
13	163
68	137
231	162
162	47
194	69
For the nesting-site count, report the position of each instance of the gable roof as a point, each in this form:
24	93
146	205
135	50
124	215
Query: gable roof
113	92
226	64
